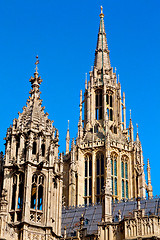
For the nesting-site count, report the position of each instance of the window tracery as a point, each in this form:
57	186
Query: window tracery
37	192
109	102
114	175
124	176
88	180
98	108
17	197
99	175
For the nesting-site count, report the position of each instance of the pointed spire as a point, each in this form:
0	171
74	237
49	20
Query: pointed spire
86	81
137	135
149	188
67	139
102	60
36	81
131	136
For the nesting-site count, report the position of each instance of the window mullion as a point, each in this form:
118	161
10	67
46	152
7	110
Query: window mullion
37	193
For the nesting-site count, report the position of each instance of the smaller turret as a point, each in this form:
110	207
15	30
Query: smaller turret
149	187
131	136
67	139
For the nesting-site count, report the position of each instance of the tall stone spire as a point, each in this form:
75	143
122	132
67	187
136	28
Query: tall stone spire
102	60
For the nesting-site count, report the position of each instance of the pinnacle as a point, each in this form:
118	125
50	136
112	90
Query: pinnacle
102	59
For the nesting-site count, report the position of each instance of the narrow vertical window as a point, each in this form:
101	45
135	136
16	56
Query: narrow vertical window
126	170
100	175
115	167
98	166
14	192
102	164
34	150
20	193
43	150
99	104
126	189
124	175
122	188
114	175
115	182
98	186
90	167
17	197
37	192
86	169
88	180
90	186
33	196
122	169
109	104
107	99
111	101
40	197
111	115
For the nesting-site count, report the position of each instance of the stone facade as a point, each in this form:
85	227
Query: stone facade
31	201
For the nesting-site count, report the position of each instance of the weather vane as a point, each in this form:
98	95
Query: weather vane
37	62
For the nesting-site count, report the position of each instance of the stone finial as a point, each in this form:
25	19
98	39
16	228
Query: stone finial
138	202
36	63
137	127
67	139
101	14
119	215
81	221
130	114
149	187
65	232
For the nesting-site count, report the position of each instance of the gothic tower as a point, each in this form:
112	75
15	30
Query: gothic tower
105	150
30	206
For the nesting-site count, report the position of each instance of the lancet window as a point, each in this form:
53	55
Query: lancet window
99	175
34	149
43	149
98	100
124	176
37	192
88	180
109	102
114	174
17	197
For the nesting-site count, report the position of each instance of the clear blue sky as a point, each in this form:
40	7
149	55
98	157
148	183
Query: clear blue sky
64	34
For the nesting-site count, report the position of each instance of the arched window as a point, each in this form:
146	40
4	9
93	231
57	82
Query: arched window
114	175
124	176
98	109
14	188
88	180
17	146
99	175
37	192
34	150
21	189
17	197
43	149
109	103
